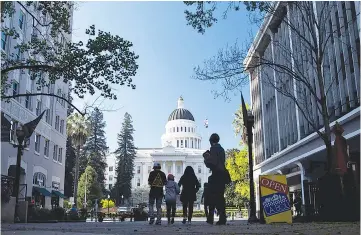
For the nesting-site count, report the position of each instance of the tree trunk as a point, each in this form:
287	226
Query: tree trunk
76	175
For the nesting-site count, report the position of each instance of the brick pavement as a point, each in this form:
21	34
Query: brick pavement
142	228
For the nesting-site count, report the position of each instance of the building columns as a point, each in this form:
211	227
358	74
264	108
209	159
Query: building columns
173	168
184	167
163	167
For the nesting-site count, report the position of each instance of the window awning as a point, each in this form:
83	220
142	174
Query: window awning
43	191
57	193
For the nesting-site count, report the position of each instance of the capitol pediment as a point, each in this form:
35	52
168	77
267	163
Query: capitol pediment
169	149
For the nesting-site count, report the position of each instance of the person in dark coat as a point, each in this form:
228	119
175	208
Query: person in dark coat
190	187
218	180
205	198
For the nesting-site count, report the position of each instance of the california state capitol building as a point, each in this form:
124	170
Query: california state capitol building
181	147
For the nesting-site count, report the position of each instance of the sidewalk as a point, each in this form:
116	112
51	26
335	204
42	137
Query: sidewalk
198	228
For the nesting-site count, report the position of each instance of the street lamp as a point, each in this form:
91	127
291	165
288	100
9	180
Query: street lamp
122	202
248	121
20	134
108	203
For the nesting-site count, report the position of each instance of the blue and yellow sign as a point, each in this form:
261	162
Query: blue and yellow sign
275	199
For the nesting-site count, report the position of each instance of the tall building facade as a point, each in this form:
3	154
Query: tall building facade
43	159
284	141
181	147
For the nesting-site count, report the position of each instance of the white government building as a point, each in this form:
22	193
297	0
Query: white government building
181	147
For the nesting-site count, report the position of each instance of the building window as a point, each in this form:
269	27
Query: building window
185	129
177	129
18	54
21	20
28	101
39	179
57	123
181	143
38	107
16	89
14	126
192	144
200	182
62	126
58	94
199	169
149	169
3	40
138	169
55	152
63	101
60	155
173	129
189	129
138	182
37	143
177	143
181	128
186	143
179	170
47	116
111	168
110	178
46	148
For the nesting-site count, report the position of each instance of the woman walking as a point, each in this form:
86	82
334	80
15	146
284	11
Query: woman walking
190	187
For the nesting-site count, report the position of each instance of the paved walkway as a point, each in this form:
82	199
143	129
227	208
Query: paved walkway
142	228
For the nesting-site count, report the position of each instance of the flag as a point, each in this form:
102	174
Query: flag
30	127
206	123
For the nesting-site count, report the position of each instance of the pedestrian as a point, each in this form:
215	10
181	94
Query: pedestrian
205	198
171	192
156	181
298	204
190	187
215	159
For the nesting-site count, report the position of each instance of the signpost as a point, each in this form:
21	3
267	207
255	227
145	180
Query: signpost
275	199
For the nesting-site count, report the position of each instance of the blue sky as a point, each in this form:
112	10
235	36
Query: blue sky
168	50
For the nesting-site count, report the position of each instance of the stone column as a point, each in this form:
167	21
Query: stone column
184	167
173	168
163	167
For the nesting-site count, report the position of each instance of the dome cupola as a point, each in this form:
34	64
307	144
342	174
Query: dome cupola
181	112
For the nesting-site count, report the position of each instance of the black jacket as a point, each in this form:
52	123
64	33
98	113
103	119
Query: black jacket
156	180
190	188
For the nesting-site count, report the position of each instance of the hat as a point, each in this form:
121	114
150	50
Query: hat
156	165
170	177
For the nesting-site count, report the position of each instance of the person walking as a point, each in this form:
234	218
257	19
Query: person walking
215	159
171	192
156	181
190	187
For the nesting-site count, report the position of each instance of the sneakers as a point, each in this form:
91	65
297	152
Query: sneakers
151	221
184	221
172	221
221	222
159	222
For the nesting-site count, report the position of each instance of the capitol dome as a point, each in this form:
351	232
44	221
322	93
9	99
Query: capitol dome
181	129
181	112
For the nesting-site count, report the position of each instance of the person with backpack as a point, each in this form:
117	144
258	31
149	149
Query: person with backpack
171	192
190	187
215	159
156	181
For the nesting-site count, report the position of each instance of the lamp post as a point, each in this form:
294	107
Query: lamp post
108	203
20	134
248	121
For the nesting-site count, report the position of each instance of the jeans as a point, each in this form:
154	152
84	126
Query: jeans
171	208
158	201
188	205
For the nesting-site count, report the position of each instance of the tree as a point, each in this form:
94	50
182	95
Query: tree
100	63
238	124
78	129
107	203
69	169
125	154
304	75
88	184
237	165
140	195
95	148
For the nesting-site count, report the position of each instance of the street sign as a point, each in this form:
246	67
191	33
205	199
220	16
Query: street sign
5	128
275	199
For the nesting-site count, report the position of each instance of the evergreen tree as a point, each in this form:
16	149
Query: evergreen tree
69	168
95	148
125	155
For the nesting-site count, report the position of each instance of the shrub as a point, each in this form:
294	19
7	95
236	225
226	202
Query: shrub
39	214
73	215
58	213
83	213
